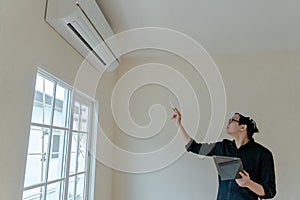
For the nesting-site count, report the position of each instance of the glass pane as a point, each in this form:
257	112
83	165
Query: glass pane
73	153
35	170
49	87
61	107
33	194
37	154
43	100
82	152
71	188
55	191
57	156
76	114
84	118
80	186
39	84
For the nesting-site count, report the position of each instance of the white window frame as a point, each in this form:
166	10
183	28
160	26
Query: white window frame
75	95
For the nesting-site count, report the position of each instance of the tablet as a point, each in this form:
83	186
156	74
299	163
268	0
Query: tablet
228	167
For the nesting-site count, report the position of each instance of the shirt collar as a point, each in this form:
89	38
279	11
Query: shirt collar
249	143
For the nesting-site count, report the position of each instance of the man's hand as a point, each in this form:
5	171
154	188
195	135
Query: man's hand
177	116
245	180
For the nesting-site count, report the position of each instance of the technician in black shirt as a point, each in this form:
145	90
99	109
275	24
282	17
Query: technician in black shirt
258	177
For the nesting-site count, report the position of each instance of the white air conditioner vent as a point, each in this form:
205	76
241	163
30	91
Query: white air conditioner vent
83	25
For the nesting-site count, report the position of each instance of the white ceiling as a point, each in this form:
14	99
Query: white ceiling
221	26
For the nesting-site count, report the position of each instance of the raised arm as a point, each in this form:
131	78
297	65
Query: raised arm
191	145
177	116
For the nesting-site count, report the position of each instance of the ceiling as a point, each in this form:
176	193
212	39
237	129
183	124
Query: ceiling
220	26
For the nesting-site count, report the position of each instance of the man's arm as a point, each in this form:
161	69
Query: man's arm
245	181
191	145
267	188
268	175
177	117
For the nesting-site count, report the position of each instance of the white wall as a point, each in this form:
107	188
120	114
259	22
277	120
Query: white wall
263	86
27	43
103	184
185	176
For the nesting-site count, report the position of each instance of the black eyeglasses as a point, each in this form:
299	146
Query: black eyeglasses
232	119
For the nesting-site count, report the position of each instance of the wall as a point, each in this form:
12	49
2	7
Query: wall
264	86
184	177
103	183
27	43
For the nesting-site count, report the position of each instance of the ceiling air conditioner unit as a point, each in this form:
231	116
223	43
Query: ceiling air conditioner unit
82	24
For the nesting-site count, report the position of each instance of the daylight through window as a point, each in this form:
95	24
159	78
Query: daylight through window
58	157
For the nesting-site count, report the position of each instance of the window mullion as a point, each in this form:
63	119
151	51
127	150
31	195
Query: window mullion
49	126
50	140
77	150
43	139
66	144
44	99
42	184
64	168
88	154
67	167
69	139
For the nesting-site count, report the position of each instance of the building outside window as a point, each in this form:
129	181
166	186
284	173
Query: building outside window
59	162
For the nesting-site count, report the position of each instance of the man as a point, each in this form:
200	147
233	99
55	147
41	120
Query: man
258	178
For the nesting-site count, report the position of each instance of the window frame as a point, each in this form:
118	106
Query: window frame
73	96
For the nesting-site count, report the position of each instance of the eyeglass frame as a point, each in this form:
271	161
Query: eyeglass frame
232	119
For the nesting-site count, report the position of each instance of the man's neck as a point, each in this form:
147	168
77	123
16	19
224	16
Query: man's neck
240	141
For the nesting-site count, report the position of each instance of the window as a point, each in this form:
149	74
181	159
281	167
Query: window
58	163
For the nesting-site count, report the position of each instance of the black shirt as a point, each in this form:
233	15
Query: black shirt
257	161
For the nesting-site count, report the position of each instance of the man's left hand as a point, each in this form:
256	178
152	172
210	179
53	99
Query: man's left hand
245	180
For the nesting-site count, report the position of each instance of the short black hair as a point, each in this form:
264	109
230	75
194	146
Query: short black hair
251	125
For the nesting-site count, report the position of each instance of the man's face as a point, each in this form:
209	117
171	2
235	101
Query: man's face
233	125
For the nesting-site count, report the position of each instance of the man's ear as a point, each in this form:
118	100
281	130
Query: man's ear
243	127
